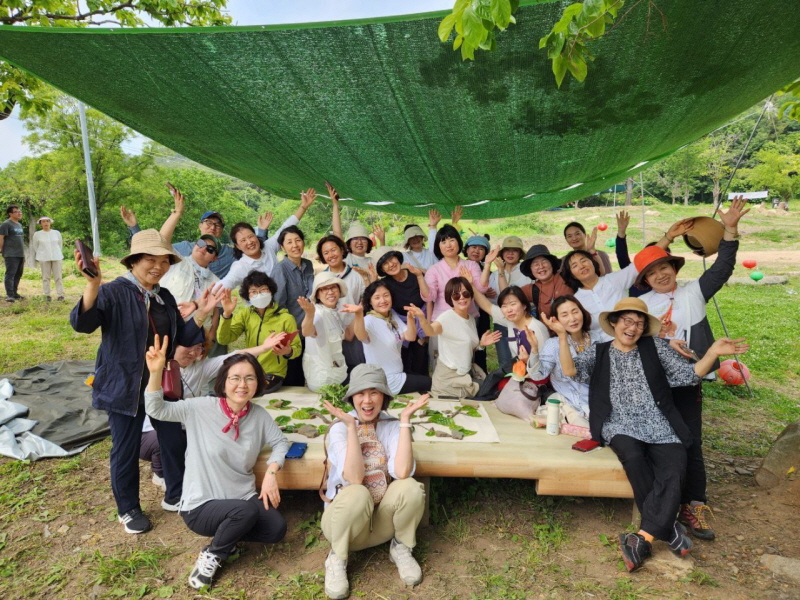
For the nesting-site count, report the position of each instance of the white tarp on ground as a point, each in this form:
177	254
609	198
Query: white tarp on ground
16	440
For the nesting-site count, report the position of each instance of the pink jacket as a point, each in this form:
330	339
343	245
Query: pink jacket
437	277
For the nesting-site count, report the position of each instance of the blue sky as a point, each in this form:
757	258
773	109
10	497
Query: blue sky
255	12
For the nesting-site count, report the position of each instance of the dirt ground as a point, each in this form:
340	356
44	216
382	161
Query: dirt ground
489	539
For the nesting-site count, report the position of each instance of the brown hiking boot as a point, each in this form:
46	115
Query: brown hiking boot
694	517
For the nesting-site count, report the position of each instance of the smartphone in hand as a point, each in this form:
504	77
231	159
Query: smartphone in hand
87	258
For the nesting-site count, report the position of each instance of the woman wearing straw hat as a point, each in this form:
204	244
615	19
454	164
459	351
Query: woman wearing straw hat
371	496
682	312
48	251
631	409
131	311
324	328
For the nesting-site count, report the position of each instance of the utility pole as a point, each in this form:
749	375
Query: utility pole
87	159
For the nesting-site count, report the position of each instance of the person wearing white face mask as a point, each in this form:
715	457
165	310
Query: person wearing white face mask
258	321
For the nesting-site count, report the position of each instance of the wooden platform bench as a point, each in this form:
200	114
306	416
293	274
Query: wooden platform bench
523	453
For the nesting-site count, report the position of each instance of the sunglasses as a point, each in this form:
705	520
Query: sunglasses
208	247
459	295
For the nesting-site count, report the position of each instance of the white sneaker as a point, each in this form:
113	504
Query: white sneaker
204	570
170	507
407	567
336	585
159	482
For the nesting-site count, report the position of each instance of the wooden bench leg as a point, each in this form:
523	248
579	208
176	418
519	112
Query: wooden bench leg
636	516
426	516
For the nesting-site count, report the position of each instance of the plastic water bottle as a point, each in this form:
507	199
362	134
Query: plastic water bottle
553	416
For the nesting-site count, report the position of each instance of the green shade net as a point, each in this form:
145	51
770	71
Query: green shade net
398	122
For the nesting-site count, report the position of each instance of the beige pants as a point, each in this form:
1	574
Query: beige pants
447	382
51	268
354	522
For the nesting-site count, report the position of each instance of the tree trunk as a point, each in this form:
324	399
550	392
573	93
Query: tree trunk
686	199
715	191
628	191
576	204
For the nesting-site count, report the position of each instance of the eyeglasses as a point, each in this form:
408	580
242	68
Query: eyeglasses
236	379
459	295
208	247
628	322
213	223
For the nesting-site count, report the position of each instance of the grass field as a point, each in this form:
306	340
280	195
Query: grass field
491	538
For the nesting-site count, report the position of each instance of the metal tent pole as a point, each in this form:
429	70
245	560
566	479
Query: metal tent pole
641	195
87	159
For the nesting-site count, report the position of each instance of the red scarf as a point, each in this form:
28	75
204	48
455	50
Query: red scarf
234	418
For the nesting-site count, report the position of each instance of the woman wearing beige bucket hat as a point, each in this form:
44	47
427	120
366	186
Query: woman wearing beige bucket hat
325	328
631	409
681	310
131	311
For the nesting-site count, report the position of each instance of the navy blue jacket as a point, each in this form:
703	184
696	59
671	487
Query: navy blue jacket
120	313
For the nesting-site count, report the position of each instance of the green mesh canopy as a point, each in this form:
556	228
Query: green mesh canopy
398	122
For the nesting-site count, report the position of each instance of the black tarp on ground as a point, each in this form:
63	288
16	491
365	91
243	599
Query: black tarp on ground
58	398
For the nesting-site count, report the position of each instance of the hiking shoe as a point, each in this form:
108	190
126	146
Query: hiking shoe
60	298
694	517
159	481
135	521
680	544
635	550
204	569
171	505
10	299
407	566
48	299
18	297
336	585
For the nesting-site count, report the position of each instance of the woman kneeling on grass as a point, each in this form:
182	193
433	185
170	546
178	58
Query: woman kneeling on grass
631	409
225	434
372	497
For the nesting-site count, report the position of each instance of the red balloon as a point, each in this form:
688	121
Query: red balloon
729	372
602	226
749	263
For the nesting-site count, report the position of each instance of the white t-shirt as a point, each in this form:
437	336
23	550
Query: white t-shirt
384	348
388	432
457	342
323	360
48	245
516	277
197	375
659	304
535	325
609	289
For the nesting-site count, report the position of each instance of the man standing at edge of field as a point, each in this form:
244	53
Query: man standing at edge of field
12	247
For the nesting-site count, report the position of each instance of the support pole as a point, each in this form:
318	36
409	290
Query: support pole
641	195
87	159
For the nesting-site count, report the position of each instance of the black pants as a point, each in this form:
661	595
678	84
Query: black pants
482	323
14	268
656	473
415	358
689	402
151	452
126	441
504	359
295	375
416	383
231	521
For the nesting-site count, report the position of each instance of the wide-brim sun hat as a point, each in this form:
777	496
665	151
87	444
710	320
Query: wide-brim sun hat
512	242
412	232
356	230
650	257
705	236
324	279
150	241
535	252
44	219
386	256
630	305
366	377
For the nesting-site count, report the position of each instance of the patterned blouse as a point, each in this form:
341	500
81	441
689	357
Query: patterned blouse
633	409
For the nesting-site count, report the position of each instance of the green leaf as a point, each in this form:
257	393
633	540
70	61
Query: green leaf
430	433
559	69
446	27
473	29
458	41
614	6
501	13
302	414
282	420
577	66
571	11
470	411
596	27
555	44
593	8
